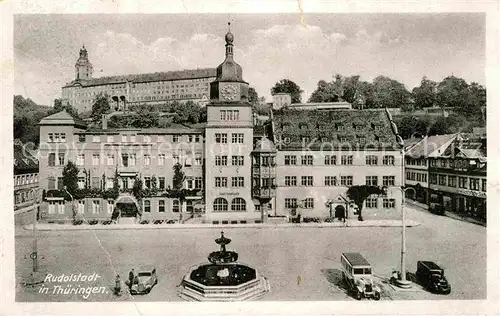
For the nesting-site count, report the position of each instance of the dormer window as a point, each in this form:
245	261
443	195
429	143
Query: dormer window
306	139
358	127
286	140
303	126
339	127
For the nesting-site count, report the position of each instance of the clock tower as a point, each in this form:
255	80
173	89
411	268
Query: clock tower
229	144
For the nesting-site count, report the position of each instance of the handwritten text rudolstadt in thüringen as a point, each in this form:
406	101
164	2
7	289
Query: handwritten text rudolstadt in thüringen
71	284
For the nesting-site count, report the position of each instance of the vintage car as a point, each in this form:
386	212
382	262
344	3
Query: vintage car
430	275
357	273
144	280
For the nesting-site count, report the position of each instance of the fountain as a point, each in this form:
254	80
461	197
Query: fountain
223	279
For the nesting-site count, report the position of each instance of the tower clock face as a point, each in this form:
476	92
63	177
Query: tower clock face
229	92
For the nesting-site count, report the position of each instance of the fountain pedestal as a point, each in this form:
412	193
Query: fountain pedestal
223	279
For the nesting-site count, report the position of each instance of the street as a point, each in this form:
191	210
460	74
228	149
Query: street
300	263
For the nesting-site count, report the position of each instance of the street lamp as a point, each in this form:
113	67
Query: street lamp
402	281
35	277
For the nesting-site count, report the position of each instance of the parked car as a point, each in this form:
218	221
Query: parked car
430	275
144	280
358	275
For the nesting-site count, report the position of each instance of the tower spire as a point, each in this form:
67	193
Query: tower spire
229	41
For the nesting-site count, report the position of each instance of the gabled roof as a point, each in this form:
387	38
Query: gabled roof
340	128
148	77
264	145
430	146
62	118
24	161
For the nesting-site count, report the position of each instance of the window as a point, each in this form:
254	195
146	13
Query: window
221	160
110	206
388	180
238	205
307	181
433	179
147	160
237	182
220	182
340	127
51	138
330	160
388	160
80	159
307	160
220	205
81	138
198	161
372	180
110	139
345	180
286	140
81	182
198	183
52	159
371	160
346	160
306	140
389	203
452	181
462	182
146	138
147	182
95	159
290	181
160	139
371	202
124	138
111	159
161	159
147	206
176	159
189	206
96	183
220	138
176	207
237	138
60	183
132	159
81	207
442	179
330	181
190	183
309	203
237	160
125	161
161	183
483	185
290	203
290	160
474	184
175	138
161	206
96	139
61	157
96	207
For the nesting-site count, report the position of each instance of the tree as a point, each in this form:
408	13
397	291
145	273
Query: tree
253	96
451	92
187	112
425	94
325	92
101	106
359	193
389	93
177	190
288	86
70	177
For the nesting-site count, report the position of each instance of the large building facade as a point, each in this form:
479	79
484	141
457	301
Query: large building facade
129	90
299	162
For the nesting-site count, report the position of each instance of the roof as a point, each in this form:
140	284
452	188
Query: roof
63	118
430	145
356	259
264	145
24	161
148	77
340	128
172	129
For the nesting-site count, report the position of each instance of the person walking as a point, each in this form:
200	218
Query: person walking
299	279
118	285
131	276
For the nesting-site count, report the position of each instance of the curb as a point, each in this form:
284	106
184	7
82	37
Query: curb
62	227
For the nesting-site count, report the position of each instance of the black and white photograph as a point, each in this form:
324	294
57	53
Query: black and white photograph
250	157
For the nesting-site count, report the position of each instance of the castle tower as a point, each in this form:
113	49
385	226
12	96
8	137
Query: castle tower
229	143
83	67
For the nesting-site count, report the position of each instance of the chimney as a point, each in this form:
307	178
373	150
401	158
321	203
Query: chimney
104	121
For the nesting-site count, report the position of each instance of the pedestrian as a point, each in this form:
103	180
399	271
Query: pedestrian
131	278
118	285
299	279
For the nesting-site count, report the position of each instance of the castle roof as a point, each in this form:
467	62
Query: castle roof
148	77
327	129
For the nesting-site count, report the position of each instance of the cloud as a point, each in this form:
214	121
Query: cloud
302	53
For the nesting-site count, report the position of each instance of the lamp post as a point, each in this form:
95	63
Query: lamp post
35	278
72	202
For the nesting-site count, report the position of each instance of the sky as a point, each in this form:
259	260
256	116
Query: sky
269	47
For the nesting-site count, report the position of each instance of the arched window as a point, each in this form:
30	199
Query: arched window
238	204
220	205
